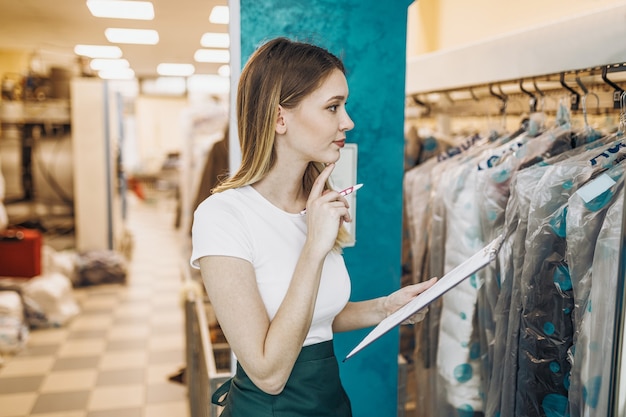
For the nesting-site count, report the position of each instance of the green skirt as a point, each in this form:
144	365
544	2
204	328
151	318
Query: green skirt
313	390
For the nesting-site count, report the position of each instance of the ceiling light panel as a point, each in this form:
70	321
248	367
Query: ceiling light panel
219	15
117	74
139	10
215	40
99	64
176	70
220	56
224	71
134	36
98	51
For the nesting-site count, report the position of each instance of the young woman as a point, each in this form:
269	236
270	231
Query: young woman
276	277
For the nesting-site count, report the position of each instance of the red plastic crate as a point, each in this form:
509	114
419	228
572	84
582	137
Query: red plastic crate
20	253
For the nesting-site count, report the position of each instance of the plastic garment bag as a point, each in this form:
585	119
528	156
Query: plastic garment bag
595	232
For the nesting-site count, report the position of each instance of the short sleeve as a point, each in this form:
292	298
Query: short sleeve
219	228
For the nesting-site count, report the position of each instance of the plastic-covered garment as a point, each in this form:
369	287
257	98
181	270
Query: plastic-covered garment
458	360
583	222
546	325
501	395
425	219
493	193
437	224
416	185
596	355
595	222
454	389
545	332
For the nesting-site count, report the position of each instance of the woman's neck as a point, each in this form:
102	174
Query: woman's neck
283	188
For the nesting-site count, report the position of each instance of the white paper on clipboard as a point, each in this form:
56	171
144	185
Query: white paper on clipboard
477	261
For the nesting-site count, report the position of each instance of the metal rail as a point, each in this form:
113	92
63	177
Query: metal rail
202	375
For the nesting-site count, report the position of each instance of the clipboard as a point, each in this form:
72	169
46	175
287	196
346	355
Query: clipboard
476	262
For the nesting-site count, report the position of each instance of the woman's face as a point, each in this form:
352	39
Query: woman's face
316	128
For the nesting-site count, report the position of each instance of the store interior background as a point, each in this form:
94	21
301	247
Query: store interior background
163	130
432	27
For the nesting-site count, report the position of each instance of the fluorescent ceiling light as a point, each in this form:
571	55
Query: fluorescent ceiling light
117	74
135	36
99	64
140	10
224	71
176	70
219	14
98	51
221	56
215	40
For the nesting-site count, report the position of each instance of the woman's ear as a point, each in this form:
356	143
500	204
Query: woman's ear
281	123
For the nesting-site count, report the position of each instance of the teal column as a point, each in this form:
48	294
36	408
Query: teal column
370	37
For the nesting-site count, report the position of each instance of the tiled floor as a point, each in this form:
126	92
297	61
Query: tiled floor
114	359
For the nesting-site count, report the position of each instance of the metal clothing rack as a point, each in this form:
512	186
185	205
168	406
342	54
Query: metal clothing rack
595	90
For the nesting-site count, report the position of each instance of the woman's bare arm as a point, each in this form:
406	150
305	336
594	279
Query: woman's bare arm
266	350
361	314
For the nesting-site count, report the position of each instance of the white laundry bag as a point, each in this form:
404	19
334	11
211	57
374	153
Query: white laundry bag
13	327
52	293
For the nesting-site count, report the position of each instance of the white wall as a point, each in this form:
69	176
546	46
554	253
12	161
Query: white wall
159	129
585	39
443	24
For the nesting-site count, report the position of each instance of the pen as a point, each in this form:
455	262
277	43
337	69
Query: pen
350	190
343	193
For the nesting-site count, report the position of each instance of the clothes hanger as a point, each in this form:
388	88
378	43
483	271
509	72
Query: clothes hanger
502	97
575	98
584	100
542	95
533	98
618	90
473	94
422	103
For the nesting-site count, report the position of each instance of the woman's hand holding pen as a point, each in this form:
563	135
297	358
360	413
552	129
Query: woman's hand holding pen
326	210
401	297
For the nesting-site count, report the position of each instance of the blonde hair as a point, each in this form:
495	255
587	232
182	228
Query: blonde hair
280	72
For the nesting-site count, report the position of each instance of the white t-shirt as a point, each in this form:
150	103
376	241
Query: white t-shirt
242	223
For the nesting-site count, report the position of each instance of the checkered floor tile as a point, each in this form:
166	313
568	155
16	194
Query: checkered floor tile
115	358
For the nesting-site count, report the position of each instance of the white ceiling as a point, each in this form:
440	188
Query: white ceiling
51	28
